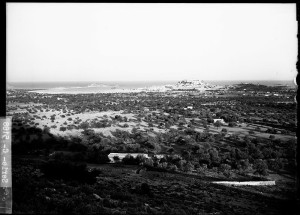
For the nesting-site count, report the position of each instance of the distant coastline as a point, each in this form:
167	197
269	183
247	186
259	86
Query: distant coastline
130	84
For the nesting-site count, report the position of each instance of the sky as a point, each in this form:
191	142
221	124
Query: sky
150	42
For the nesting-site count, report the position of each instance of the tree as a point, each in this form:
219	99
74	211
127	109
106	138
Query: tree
225	169
217	124
188	167
77	147
62	128
84	125
170	150
180	164
214	156
260	167
145	189
232	124
173	168
204	158
244	164
116	158
272	137
140	159
240	154
275	164
46	130
224	130
103	158
128	159
210	120
257	154
148	162
267	152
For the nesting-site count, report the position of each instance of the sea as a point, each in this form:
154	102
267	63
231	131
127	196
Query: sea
102	86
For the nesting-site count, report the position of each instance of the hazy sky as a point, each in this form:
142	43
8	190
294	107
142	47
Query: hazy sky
129	42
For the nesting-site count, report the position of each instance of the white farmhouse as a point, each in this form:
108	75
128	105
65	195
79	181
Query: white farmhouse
220	120
188	108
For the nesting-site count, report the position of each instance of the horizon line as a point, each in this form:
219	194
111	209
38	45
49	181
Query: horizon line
152	80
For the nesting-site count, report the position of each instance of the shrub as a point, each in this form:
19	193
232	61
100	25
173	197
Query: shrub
116	158
83	125
272	137
260	167
148	162
145	189
188	167
275	164
77	147
232	124
103	158
62	128
224	167
224	130
69	171
130	160
173	168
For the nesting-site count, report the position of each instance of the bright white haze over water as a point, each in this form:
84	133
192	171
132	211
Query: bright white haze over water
150	42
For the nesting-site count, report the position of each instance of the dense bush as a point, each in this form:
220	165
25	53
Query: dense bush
260	167
68	170
62	128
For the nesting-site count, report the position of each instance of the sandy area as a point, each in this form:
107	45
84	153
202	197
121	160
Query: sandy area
44	119
61	91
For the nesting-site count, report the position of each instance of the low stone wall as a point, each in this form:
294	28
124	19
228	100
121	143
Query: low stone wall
245	183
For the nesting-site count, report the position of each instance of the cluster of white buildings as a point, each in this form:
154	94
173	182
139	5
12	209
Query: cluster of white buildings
181	85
